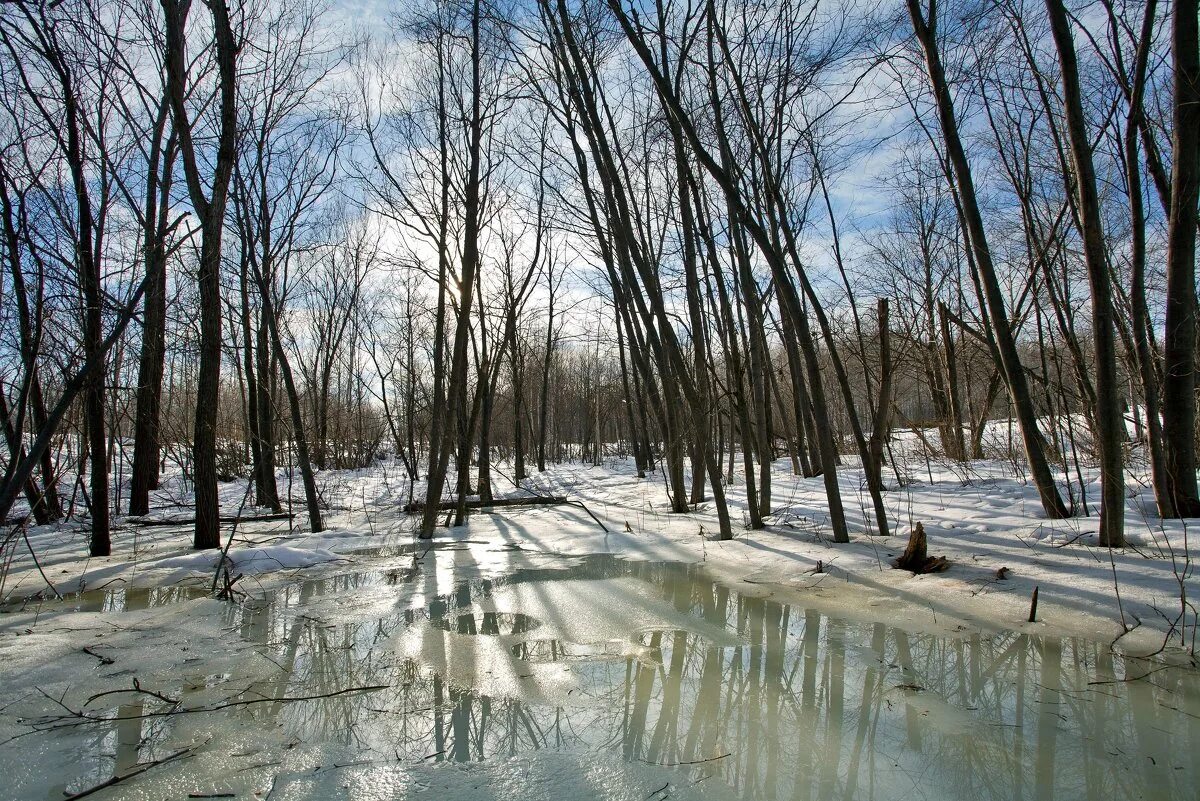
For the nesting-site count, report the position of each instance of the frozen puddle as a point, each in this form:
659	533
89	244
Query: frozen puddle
585	678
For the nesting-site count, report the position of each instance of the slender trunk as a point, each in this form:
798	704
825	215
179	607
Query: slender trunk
1139	313
440	411
311	496
248	359
631	416
954	427
456	395
266	363
210	210
486	401
881	425
518	392
1110	425
1010	362
544	400
146	445
701	413
87	245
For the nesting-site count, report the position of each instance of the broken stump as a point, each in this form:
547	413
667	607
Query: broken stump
916	555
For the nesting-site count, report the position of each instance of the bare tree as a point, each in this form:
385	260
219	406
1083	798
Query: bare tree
208	199
997	314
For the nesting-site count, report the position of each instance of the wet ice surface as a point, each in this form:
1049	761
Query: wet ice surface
587	677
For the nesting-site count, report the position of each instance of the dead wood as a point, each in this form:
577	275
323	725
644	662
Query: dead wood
104	660
187	521
79	717
136	771
916	555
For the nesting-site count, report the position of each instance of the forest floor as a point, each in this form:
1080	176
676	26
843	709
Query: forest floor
632	655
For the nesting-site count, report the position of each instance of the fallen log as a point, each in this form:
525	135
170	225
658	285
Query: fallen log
535	500
187	521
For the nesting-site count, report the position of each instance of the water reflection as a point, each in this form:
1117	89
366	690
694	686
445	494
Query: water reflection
756	698
564	651
489	623
111	599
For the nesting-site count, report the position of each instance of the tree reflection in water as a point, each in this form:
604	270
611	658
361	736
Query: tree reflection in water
802	706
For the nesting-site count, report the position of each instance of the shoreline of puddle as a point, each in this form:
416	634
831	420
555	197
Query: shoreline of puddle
846	596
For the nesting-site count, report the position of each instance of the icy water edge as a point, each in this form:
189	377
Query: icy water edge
601	677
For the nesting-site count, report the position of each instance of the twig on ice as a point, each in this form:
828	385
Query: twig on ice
80	718
137	771
104	660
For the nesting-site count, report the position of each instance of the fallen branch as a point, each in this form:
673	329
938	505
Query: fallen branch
224	563
82	718
137	771
137	688
581	505
104	660
36	562
187	521
690	762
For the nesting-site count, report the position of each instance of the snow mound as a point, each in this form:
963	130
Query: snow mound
279	557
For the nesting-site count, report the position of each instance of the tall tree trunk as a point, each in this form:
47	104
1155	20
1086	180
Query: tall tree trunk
518	393
1110	424
87	246
544	399
311	496
146	444
702	414
456	394
1139	312
211	211
248	360
1179	342
1010	361
266	364
881	425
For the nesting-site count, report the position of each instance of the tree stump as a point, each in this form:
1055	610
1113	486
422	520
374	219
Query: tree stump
916	555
